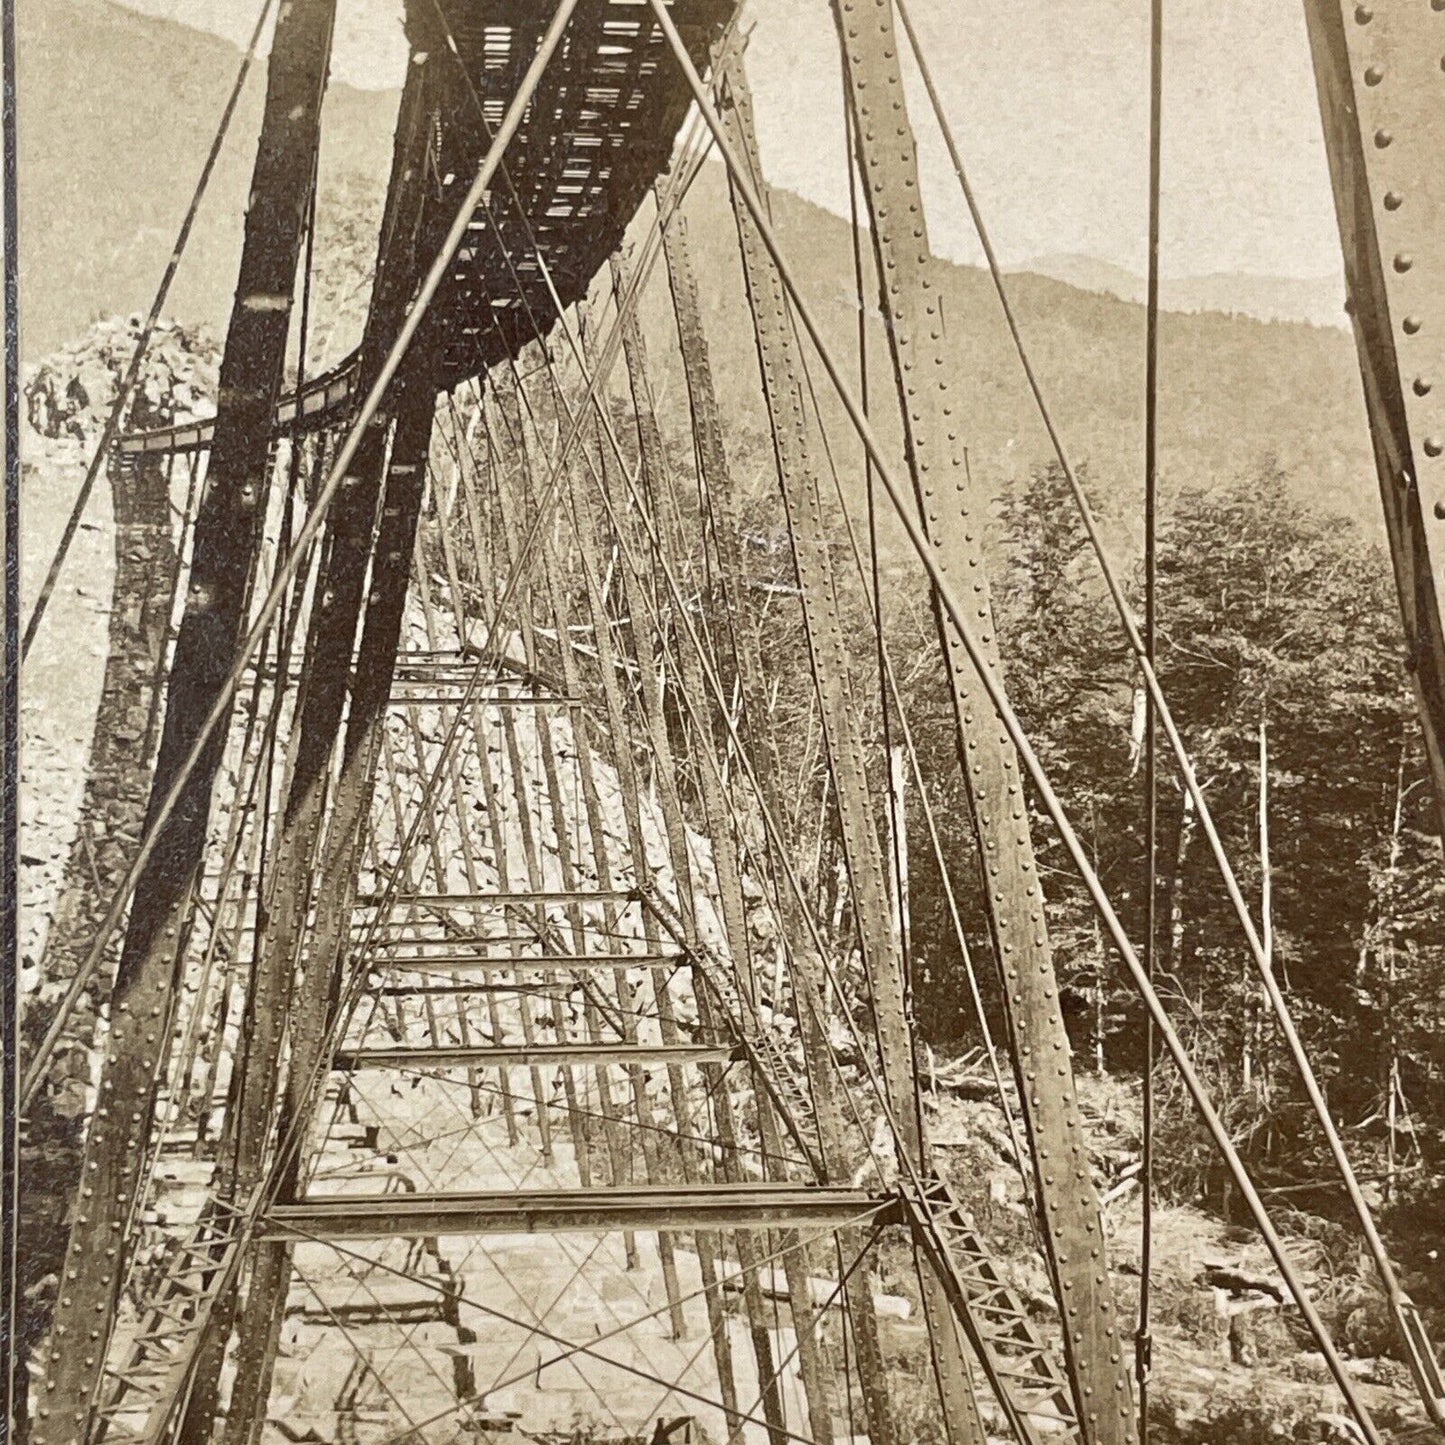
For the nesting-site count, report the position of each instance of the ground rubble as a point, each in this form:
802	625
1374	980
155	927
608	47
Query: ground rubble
1233	1362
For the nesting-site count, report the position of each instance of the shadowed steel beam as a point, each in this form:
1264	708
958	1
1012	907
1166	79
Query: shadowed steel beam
227	545
520	900
477	963
280	996
671	1208
117	787
460	699
271	1271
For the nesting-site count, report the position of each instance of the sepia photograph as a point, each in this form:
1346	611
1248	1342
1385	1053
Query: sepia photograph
724	722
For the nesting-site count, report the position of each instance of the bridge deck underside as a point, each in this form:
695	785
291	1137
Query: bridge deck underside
598	134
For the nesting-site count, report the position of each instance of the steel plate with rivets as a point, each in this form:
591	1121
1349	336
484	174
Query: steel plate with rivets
1380	70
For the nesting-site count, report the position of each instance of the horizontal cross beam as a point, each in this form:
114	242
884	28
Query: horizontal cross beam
481	963
460	698
462	900
665	1208
308	410
449	990
507	1055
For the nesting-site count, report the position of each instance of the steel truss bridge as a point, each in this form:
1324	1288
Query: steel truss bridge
449	946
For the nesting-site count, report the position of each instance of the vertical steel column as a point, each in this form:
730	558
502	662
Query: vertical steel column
227	545
552	606
14	1406
206	1092
510	405
784	387
658	484
1382	102
656	731
462	492
1072	1221
309	1027
654	1161
1377	68
414	772
484	567
116	788
440	860
496	824
326	672
620	1163
658	1170
718	484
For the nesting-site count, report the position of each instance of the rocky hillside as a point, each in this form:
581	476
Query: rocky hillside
66	401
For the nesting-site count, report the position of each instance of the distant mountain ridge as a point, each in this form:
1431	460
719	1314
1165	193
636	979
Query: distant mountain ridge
1237	395
107	163
117	110
1316	300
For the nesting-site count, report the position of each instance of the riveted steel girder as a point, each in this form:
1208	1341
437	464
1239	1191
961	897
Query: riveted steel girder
784	386
1382	101
506	1055
1381	83
1072	1222
227	545
116	788
329	934
277	994
511	1211
510	527
698	744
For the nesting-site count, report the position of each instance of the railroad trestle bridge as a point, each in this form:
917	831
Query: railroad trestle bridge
457	949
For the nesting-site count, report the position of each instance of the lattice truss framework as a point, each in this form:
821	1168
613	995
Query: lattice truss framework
475	1091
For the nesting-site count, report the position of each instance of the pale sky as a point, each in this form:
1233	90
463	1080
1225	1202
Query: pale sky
1049	102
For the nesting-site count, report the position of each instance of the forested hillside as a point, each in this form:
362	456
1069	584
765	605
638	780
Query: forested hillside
105	181
1280	656
1233	390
